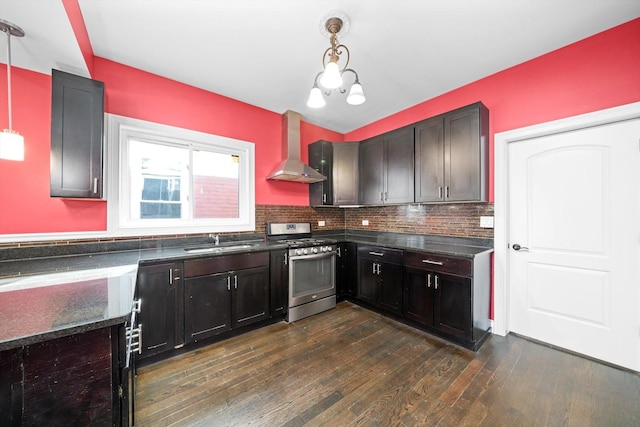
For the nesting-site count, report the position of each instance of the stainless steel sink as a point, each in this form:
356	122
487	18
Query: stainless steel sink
216	249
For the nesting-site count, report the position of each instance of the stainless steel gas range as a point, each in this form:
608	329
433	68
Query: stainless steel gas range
312	269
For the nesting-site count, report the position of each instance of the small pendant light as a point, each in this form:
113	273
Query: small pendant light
11	142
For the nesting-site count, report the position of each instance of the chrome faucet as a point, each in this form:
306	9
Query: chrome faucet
216	238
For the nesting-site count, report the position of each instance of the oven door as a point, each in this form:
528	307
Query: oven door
311	277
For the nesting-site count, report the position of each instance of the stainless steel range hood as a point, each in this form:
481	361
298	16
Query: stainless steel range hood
292	168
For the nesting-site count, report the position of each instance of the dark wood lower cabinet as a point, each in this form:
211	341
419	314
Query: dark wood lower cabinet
249	296
207	301
440	301
216	303
453	305
380	277
159	289
279	282
452	312
418	297
73	380
224	293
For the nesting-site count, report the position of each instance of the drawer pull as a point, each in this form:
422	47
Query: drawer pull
376	253
428	261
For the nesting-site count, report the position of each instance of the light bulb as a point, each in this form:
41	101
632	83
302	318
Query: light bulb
316	100
331	78
356	95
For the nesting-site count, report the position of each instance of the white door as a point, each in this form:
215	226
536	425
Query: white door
574	210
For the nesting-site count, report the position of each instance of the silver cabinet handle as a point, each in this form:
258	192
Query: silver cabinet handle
324	198
338	251
428	261
170	277
376	253
228	283
386	195
286	259
446	192
374	268
382	196
95	185
429	280
440	191
436	285
235	281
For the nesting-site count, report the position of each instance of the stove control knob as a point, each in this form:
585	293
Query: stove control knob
315	250
298	251
329	248
305	251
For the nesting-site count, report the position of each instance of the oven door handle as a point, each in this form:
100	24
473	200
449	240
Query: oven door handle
312	256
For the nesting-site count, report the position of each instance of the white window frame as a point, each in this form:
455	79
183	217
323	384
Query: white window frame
120	129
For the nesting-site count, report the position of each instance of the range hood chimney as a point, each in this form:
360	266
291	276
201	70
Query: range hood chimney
292	168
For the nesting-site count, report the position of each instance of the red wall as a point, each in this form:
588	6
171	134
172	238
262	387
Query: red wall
599	72
24	186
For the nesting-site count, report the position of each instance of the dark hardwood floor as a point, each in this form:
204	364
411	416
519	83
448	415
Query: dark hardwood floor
351	367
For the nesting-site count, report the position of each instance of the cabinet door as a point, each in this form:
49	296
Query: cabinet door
207	306
345	174
368	280
321	159
418	296
250	296
159	293
466	155
351	261
429	160
77	122
371	173
279	283
452	305
398	166
390	293
341	270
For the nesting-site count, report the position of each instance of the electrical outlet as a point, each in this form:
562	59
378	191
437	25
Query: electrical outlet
365	222
486	221
321	223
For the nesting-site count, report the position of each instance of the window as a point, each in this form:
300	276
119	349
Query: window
167	180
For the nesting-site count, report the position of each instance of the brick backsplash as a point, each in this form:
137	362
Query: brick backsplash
461	220
333	217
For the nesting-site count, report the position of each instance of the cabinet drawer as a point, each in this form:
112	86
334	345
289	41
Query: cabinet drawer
222	264
392	256
439	263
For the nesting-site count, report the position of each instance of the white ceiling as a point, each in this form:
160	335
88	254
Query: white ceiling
267	52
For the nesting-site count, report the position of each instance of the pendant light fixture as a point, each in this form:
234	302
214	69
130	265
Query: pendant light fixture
331	78
11	142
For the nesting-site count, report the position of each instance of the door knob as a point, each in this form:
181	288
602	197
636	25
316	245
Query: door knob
517	247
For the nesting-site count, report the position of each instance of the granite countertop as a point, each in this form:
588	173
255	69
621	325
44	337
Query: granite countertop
53	295
47	306
466	247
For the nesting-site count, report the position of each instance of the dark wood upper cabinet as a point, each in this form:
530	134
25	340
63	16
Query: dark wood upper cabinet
452	156
429	168
77	124
339	163
386	168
